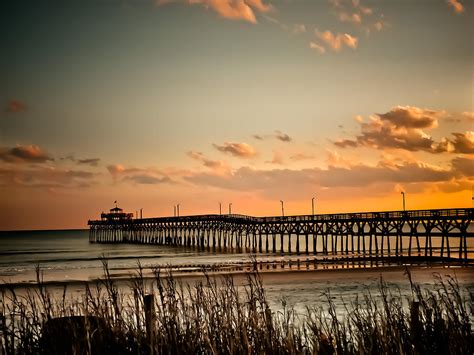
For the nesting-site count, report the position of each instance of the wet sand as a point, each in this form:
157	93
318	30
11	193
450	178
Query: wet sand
423	273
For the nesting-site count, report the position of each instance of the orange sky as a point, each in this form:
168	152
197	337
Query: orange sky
156	104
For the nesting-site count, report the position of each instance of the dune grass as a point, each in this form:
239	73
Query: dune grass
217	316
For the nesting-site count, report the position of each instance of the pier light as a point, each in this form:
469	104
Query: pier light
282	209
230	208
177	209
220	208
312	204
403	198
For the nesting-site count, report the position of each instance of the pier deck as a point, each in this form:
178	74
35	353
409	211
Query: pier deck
437	232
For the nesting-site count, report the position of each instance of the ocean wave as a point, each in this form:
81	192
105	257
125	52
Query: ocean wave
89	258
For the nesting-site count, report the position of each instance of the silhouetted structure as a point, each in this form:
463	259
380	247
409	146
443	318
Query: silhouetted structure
443	232
116	214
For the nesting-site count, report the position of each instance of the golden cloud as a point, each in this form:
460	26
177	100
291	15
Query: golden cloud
144	176
240	150
24	154
230	9
45	177
337	41
457	6
403	127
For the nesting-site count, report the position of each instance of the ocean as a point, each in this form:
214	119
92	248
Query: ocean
67	257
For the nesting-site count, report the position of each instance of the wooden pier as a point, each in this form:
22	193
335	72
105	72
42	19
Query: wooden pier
438	232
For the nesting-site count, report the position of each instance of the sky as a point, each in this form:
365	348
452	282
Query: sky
154	103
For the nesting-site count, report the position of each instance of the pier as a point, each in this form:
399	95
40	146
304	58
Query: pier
440	233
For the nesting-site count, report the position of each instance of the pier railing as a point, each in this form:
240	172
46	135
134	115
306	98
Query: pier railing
442	232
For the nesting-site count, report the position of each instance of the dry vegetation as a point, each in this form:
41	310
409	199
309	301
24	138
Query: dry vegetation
220	317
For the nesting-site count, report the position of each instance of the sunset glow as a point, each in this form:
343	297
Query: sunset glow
249	102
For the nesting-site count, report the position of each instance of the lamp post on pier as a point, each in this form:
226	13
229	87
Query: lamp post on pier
220	208
174	211
282	208
312	205
177	209
230	208
403	197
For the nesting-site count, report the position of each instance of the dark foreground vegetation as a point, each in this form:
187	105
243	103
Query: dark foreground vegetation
221	317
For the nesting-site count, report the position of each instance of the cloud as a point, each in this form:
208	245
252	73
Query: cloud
45	177
463	166
216	165
240	150
282	136
146	179
116	170
15	106
403	127
468	116
379	25
86	161
334	159
145	176
244	10
317	47
363	17
89	161
275	182
457	6
412	117
299	29
278	135
277	159
463	116
24	154
463	142
354	18
337	41
301	156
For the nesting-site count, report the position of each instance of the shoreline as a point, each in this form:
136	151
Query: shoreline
279	274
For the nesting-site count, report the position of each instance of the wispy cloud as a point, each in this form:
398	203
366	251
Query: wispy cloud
215	165
465	116
299	28
44	177
301	157
240	150
85	161
144	176
281	136
275	182
24	154
245	10
89	161
361	16
336	41
317	47
277	158
468	116
456	5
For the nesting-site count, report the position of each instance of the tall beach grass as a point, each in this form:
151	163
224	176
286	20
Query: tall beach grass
221	316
